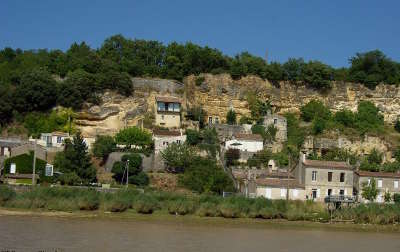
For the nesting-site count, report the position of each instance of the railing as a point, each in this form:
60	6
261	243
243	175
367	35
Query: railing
340	198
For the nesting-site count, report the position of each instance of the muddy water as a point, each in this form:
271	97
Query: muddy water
23	233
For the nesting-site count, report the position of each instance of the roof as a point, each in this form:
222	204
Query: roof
59	133
158	132
276	182
248	137
378	174
168	99
10	142
327	164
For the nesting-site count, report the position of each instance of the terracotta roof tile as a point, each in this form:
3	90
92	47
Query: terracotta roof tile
168	99
158	132
378	174
248	137
327	164
276	182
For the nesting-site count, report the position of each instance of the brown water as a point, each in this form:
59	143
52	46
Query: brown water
22	233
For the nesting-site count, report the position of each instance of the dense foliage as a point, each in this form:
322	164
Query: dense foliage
134	137
75	160
103	146
36	80
130	166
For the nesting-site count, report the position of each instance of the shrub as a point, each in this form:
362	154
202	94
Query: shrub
269	213
396	198
200	80
208	209
90	201
69	179
6	194
231	117
181	207
145	204
140	179
229	210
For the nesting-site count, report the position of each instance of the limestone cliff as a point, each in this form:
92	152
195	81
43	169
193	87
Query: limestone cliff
218	93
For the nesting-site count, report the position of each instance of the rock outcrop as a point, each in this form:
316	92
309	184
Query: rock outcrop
218	93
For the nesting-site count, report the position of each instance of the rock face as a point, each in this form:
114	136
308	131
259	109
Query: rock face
218	93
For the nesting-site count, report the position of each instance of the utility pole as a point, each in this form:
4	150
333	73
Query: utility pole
34	164
127	172
288	177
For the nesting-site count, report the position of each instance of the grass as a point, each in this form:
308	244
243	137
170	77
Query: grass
151	202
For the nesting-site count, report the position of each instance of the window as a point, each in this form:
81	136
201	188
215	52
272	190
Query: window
369	182
342	177
330	176
216	120
162	117
314	193
59	139
210	120
178	141
314	176
329	192
380	183
396	184
275	121
177	107
161	106
341	192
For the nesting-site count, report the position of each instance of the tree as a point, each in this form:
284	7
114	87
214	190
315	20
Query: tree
103	146
193	137
6	105
134	136
314	109
177	157
345	117
368	117
36	92
397	125
317	75
369	191
318	125
231	117
133	162
387	197
204	175
75	158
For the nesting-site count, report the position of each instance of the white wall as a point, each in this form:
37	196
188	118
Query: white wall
162	142
245	145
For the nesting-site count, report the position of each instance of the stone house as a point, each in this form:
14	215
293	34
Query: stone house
385	182
276	188
163	138
226	131
280	123
324	178
168	112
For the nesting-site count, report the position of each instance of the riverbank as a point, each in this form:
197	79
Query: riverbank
193	220
150	205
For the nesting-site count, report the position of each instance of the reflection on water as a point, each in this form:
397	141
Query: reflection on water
58	234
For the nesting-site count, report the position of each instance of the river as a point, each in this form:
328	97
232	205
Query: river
26	233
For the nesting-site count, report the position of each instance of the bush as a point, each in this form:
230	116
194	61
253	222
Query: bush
90	201
231	117
229	210
145	204
140	179
396	198
69	179
181	207
208	209
6	194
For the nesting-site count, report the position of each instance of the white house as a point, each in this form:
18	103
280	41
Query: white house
276	188
54	139
245	142
163	138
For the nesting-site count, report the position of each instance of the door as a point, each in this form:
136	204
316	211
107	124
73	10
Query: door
314	193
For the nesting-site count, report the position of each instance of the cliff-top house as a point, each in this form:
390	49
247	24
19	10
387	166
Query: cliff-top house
168	112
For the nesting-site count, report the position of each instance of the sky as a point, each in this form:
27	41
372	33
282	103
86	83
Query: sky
325	30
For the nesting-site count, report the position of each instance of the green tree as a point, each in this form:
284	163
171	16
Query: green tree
177	157
318	125
396	125
368	117
134	136
103	146
387	197
231	117
193	137
205	176
345	117
36	92
197	113
369	191
314	109
75	158
317	75
136	175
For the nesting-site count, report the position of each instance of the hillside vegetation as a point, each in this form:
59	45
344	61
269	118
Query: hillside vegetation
37	80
